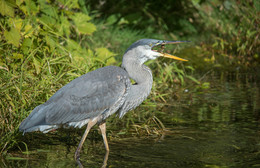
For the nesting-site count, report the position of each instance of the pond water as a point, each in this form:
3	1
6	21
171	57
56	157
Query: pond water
217	127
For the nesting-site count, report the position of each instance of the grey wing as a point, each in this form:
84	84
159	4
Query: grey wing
83	98
88	98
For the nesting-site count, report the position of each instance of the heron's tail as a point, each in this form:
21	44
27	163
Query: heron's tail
36	121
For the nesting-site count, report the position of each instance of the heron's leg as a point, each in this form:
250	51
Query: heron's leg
103	131
91	123
105	160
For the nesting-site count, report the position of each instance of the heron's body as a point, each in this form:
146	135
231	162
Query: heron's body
93	97
97	94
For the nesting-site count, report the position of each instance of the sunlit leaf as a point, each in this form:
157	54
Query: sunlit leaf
19	2
48	20
6	8
77	58
37	65
205	85
50	41
86	28
49	10
17	56
105	54
31	7
81	17
28	30
13	36
69	4
27	43
181	78
82	24
73	45
24	9
64	27
16	22
121	133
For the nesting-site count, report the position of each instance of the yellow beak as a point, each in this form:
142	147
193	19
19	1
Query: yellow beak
172	57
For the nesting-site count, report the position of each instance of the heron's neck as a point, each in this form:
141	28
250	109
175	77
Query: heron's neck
139	72
138	92
143	77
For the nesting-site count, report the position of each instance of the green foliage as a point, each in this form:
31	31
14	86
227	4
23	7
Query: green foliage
173	17
7	8
13	36
233	32
43	47
226	30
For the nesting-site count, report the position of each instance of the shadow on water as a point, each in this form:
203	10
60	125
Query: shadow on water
216	127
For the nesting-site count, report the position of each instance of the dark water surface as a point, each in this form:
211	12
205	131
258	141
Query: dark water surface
217	127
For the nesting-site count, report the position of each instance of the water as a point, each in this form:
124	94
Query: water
216	127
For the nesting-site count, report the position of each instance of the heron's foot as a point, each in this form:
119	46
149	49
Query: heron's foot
77	155
105	160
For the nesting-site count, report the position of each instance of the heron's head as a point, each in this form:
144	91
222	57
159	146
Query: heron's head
147	49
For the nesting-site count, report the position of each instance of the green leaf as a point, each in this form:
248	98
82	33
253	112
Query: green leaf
28	31
70	4
48	20
50	41
105	55
81	17
257	4
82	24
13	37
86	28
17	22
190	67
6	8
15	158
205	85
64	27
111	19
89	53
26	45
49	10
17	56
19	2
31	7
73	45
193	79
37	65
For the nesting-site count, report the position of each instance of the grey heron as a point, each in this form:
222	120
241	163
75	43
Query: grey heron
91	98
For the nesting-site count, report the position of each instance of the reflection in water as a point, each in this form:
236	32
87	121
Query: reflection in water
104	162
217	127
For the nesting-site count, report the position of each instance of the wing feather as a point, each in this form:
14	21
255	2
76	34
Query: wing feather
87	97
